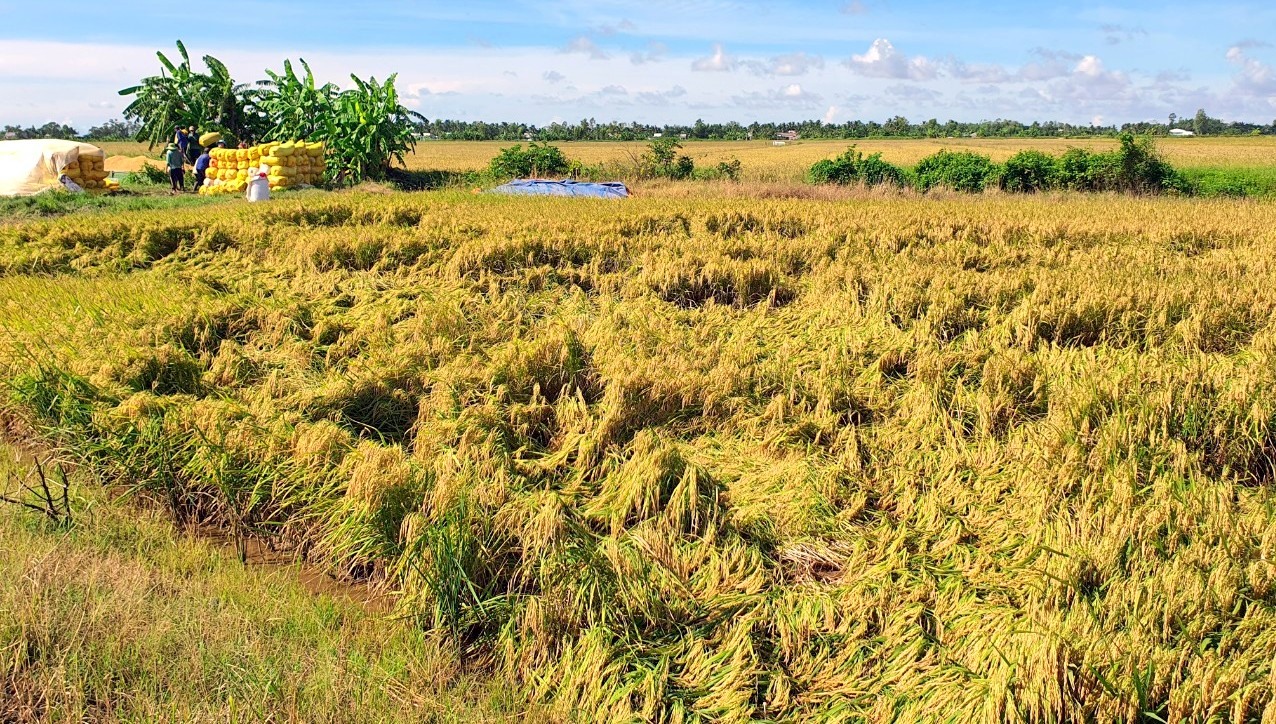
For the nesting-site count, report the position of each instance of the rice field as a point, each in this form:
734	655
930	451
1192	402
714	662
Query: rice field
761	161
703	457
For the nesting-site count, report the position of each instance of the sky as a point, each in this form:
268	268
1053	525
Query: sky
662	61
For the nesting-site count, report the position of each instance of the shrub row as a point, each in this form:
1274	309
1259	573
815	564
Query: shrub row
1133	168
662	160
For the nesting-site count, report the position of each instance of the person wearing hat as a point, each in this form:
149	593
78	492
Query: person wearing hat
176	162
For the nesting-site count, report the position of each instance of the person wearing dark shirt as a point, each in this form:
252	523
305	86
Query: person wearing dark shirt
182	139
201	168
193	148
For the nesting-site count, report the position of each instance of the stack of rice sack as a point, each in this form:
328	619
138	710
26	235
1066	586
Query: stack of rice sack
87	170
287	164
293	163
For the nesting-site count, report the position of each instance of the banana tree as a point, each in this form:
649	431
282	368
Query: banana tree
296	106
369	131
181	96
366	128
231	104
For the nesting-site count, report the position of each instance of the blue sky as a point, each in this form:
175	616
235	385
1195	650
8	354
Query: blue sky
659	61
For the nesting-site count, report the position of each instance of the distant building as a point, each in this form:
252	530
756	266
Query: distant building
787	136
1181	133
10	135
658	135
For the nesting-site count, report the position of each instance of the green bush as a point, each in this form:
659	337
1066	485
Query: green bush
958	170
1029	172
538	160
662	161
1143	171
729	169
1075	170
1133	168
852	167
723	171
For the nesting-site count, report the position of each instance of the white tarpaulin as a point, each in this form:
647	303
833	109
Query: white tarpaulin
29	167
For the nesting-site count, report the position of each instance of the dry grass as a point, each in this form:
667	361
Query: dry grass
703	458
120	619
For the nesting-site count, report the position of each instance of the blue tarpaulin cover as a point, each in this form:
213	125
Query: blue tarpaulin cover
538	187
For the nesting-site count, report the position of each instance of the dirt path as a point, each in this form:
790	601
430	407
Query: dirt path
128	164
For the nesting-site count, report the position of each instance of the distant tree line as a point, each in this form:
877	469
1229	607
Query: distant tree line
115	130
898	127
589	129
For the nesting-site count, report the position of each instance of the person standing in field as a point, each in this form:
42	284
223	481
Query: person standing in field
181	138
176	162
201	168
193	148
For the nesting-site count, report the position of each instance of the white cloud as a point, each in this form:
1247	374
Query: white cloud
655	52
1173	76
830	116
916	93
1250	43
624	26
978	72
586	46
718	62
1090	66
791	96
68	82
855	7
1114	34
660	98
882	60
1049	64
795	64
1090	87
1254	77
